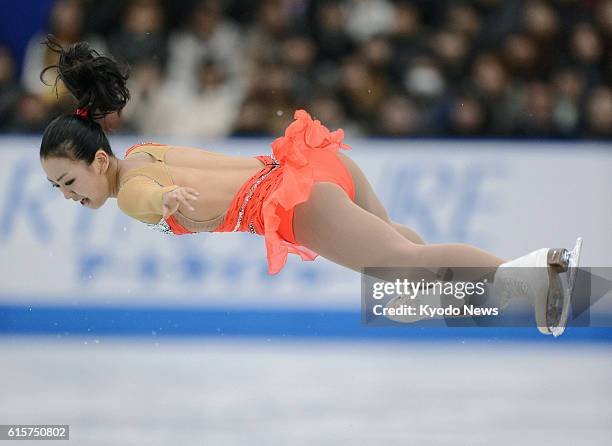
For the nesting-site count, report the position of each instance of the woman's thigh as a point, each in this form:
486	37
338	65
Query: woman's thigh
365	196
331	225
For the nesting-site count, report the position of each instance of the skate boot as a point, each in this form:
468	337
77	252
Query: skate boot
536	276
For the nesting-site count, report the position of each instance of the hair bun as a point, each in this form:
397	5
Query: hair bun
97	82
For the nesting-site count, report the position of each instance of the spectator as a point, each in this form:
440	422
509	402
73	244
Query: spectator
360	90
141	37
298	53
541	23
326	108
145	82
452	49
604	20
533	68
467	117
140	42
252	119
521	56
272	84
9	88
498	98
464	20
398	116
209	111
569	86
209	35
587	51
406	27
536	117
599	113
263	37
407	36
367	18
31	115
65	23
377	52
499	18
330	32
424	79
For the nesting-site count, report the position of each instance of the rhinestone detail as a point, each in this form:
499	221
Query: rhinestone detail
248	197
161	226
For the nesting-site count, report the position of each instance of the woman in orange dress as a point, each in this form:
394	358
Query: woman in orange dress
305	198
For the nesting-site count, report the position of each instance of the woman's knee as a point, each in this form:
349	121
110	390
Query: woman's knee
404	254
408	233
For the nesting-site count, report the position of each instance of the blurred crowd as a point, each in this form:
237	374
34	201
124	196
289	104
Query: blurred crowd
214	68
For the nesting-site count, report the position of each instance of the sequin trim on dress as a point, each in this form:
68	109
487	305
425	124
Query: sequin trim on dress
162	226
248	197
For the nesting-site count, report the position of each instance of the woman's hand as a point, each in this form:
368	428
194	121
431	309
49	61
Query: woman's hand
173	199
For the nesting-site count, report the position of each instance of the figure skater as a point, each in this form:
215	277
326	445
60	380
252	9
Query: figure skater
305	198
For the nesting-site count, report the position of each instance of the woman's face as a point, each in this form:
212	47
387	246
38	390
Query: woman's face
88	185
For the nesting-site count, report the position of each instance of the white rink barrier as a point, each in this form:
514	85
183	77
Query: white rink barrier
506	197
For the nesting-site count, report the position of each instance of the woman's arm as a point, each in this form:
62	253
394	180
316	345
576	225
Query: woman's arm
141	197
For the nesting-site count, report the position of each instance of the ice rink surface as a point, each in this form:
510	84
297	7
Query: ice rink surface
165	391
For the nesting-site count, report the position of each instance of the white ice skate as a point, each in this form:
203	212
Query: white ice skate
537	277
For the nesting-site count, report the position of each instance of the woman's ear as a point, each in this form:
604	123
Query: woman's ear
101	161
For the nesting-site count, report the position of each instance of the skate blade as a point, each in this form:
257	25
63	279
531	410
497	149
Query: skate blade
559	297
573	262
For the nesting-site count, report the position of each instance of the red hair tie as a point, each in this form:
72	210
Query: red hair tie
82	112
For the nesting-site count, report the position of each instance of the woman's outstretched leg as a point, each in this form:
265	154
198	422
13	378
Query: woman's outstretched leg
330	224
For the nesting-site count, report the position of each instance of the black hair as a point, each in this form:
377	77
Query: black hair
98	83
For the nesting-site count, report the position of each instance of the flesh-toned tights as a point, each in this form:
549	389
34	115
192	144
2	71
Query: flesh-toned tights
361	234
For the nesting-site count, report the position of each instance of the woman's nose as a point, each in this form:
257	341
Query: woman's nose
67	194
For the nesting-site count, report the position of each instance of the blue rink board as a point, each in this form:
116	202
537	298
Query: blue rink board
311	324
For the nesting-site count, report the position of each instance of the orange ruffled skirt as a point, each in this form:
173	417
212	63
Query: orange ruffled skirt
265	203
